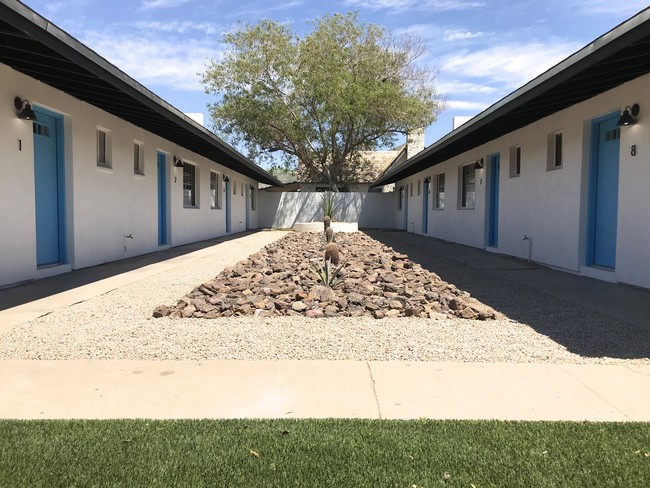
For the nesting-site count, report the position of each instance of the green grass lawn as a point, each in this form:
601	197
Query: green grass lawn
329	453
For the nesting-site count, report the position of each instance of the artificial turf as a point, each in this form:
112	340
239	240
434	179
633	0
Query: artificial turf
323	453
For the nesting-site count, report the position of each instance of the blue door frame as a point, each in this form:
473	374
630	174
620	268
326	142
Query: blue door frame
227	205
425	207
49	188
493	195
162	199
603	191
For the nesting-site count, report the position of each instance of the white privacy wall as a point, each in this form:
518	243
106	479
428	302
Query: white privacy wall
102	205
551	206
284	209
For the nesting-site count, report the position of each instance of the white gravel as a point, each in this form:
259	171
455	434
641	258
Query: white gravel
119	325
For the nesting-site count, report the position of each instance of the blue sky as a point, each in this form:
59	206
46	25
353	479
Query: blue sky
482	50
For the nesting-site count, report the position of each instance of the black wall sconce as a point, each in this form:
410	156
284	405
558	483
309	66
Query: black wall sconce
178	162
24	109
628	117
226	178
478	164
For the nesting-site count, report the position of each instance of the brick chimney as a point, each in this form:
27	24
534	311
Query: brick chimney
414	142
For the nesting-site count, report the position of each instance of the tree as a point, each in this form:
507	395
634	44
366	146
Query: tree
319	99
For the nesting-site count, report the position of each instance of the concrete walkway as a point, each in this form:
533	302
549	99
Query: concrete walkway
320	389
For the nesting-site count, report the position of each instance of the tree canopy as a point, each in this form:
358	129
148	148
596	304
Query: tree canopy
320	99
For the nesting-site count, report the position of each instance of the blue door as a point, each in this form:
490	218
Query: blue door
493	194
227	205
425	207
603	192
162	199
406	208
49	188
248	206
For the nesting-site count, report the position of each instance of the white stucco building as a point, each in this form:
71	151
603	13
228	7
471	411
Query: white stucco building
107	170
549	173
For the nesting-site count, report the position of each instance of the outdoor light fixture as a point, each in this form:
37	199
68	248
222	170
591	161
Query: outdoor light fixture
478	164
629	115
24	109
178	162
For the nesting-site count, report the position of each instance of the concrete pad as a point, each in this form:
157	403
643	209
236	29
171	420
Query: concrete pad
626	387
486	391
185	389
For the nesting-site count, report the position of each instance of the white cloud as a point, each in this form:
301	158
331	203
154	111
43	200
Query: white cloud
461	34
179	27
402	5
465	105
508	66
455	86
153	4
154	61
597	7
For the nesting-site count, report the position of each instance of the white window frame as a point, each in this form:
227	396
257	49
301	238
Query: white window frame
103	143
515	161
555	156
190	185
215	190
138	157
438	201
463	190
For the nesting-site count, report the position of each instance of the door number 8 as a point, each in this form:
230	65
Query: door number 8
633	150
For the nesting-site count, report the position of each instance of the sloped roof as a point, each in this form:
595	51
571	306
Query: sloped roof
616	57
31	44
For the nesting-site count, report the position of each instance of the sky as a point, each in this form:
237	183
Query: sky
480	50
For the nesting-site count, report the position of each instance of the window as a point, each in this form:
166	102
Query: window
103	148
555	150
234	186
189	185
411	189
419	187
468	186
138	158
253	198
439	201
400	198
242	188
215	190
515	161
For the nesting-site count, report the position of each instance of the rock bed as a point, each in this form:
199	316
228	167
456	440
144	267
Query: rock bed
375	282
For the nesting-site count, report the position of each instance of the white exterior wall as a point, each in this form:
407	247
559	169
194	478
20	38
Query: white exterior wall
102	205
282	210
551	206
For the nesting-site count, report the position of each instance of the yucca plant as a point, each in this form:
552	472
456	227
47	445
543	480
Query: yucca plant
329	205
327	273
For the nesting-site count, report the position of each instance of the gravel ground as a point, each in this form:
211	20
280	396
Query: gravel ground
119	325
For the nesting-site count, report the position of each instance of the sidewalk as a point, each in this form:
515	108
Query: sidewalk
322	389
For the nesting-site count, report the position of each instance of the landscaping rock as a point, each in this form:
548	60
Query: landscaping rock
375	281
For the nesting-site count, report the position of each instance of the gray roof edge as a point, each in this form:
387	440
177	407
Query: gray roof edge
157	103
517	95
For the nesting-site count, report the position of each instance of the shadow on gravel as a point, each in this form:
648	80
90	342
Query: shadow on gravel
581	330
34	290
